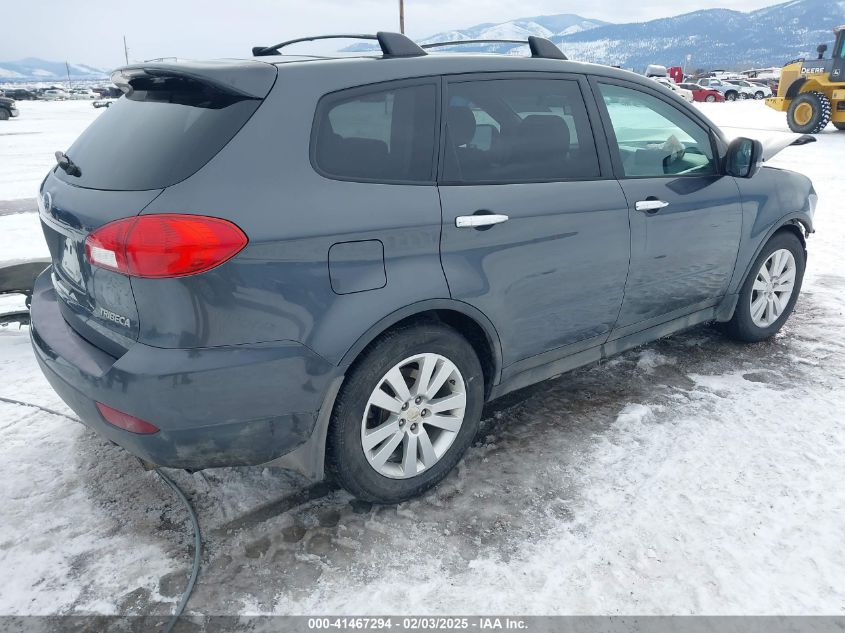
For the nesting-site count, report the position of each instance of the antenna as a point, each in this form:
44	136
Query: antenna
402	17
125	51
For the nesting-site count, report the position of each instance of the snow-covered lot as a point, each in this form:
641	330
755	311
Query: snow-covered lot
693	475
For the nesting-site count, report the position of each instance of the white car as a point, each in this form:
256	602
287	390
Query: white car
54	95
746	91
758	91
685	94
83	94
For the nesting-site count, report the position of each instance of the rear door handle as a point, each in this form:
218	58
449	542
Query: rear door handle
651	205
487	219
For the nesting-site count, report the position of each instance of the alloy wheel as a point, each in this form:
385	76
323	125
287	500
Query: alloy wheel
413	416
772	288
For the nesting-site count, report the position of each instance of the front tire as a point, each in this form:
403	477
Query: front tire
4	114
809	113
408	410
730	95
769	293
759	95
709	98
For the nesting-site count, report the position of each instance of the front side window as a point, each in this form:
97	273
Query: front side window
653	137
518	130
377	134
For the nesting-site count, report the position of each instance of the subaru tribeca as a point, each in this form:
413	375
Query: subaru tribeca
330	264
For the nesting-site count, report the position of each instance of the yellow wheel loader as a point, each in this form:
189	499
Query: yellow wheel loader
812	92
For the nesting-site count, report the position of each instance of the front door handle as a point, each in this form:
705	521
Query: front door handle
651	205
487	219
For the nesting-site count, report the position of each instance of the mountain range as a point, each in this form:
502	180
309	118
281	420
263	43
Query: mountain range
33	69
713	38
705	39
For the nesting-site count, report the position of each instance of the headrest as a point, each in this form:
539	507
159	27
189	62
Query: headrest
547	130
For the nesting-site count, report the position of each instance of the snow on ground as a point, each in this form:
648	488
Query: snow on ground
693	475
28	143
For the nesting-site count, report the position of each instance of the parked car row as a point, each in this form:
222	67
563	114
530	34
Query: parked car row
712	89
733	89
59	94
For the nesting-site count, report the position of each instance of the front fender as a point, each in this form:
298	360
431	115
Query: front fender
772	199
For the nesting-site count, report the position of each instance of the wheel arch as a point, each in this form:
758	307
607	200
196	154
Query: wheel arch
795	88
466	319
798	223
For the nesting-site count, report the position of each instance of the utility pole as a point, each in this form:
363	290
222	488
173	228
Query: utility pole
402	16
67	70
125	51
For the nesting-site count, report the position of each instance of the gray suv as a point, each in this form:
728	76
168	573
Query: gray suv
331	264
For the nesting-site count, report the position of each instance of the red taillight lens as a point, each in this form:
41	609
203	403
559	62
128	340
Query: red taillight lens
166	245
125	421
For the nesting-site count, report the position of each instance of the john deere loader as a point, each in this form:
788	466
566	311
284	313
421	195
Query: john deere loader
812	92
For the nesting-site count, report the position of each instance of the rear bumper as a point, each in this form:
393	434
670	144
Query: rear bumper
222	406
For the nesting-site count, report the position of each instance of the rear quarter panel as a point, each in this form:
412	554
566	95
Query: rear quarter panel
279	286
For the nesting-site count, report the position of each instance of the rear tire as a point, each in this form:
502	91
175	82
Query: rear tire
4	114
750	325
809	113
730	95
385	471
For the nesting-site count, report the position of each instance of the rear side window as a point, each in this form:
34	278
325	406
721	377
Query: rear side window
159	135
518	130
376	134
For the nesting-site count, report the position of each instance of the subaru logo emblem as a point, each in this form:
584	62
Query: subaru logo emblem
47	201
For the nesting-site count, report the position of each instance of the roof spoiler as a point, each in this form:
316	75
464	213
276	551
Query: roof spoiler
539	46
392	44
248	79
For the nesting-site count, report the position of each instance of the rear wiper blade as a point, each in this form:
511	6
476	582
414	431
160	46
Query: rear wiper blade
67	165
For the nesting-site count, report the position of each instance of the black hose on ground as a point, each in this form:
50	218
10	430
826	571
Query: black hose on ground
180	608
197	550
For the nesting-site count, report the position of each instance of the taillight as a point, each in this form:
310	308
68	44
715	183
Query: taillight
125	421
165	245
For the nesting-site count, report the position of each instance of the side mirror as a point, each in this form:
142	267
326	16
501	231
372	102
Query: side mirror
744	157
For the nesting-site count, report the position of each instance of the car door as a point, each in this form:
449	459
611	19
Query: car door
685	214
535	228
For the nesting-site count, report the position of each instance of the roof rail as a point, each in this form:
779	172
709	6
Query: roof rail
392	44
539	46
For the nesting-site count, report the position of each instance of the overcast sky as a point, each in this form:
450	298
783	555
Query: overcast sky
91	31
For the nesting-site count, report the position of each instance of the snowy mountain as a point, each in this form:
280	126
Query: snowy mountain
714	37
544	25
33	69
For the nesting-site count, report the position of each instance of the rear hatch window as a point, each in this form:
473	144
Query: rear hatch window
159	134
